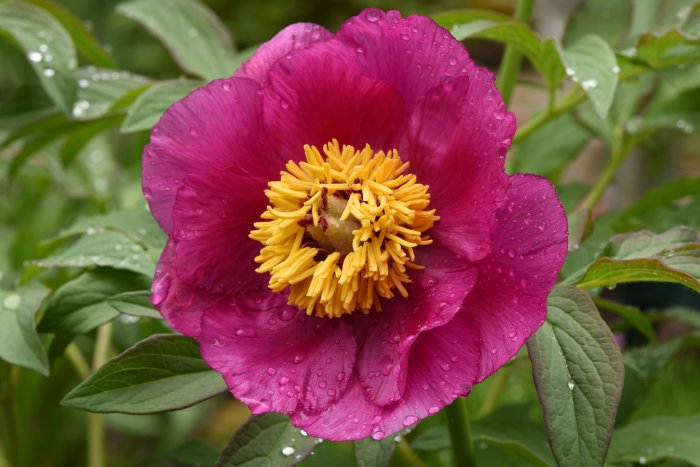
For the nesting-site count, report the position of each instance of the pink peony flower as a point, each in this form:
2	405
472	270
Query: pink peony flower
361	174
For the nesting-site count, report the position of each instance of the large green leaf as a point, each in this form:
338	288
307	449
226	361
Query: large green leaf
82	304
267	440
48	46
479	24
672	256
164	372
591	63
198	41
150	105
135	303
659	209
579	374
19	342
657	439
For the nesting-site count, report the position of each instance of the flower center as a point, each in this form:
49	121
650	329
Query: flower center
340	230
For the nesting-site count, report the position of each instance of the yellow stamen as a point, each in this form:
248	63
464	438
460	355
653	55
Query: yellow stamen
340	230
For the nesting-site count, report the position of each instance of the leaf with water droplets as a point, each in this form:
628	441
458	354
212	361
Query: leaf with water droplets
150	105
672	256
99	89
103	248
657	439
198	41
19	342
591	63
82	304
267	440
48	47
575	345
164	372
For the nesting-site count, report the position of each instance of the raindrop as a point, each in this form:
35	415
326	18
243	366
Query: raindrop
377	435
271	371
433	410
319	372
284	104
331	392
83	83
192	32
571	385
43	48
287	314
570	71
454	358
445	366
283	380
34	56
372	16
288	451
322	384
642	460
49	72
298	359
360	50
428	282
589	84
245	332
161	286
12	302
226	86
410	420
616	69
340	376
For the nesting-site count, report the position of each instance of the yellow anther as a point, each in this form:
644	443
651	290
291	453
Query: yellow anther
340	230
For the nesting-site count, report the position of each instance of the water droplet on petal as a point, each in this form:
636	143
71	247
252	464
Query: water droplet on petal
245	331
161	286
271	371
340	376
433	410
410	420
283	380
372	16
287	314
298	359
377	435
226	85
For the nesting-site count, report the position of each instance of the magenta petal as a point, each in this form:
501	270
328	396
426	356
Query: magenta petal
314	97
509	301
293	37
275	358
463	166
434	298
212	217
180	303
412	54
442	366
214	127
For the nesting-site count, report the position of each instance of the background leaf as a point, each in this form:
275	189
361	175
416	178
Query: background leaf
163	372
195	37
19	342
267	440
579	374
48	47
150	105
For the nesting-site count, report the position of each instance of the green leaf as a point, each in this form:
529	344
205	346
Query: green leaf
84	40
432	439
672	256
195	37
99	89
591	63
657	439
19	342
164	372
135	304
631	314
479	24
78	138
137	224
81	305
608	19
669	49
103	248
150	105
374	453
48	47
547	150
267	440
578	372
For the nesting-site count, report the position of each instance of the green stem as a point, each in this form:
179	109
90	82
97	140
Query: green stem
620	149
460	433
406	455
95	422
76	358
9	416
568	101
510	65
